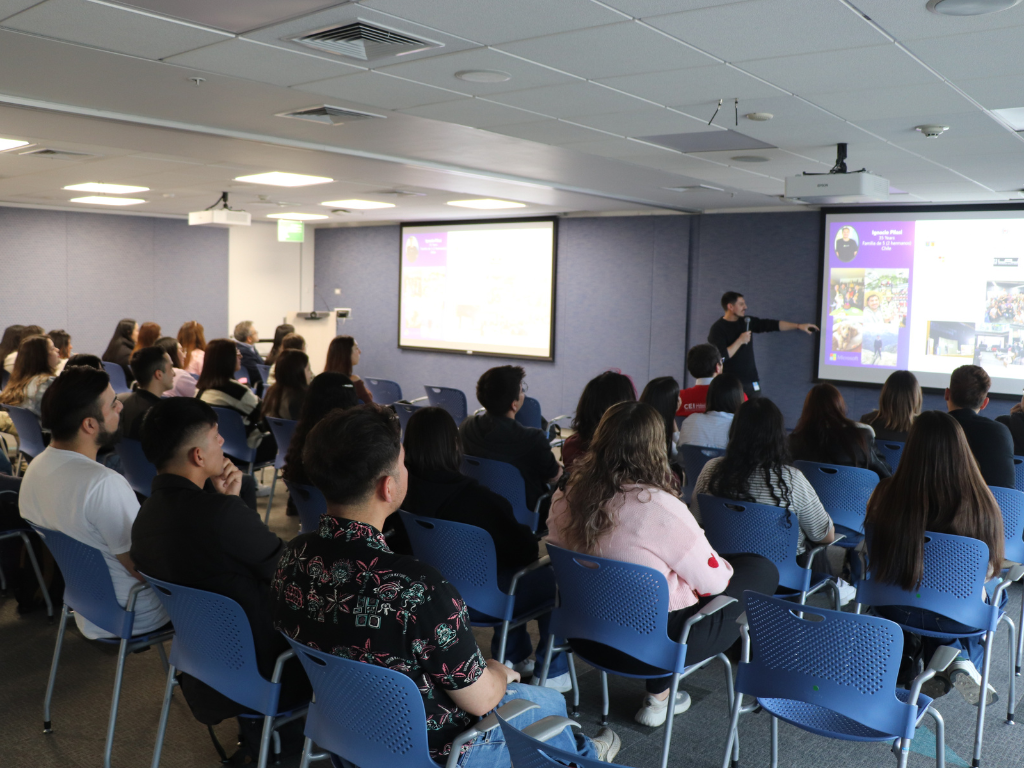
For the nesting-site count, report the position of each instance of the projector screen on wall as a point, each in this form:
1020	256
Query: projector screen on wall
925	291
479	288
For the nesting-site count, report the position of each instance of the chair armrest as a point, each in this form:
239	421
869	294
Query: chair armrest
742	619
536	564
133	594
514	708
279	665
417	400
941	659
536	507
1014	574
811	553
713	607
547	727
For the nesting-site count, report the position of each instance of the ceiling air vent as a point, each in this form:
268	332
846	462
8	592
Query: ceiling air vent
329	115
56	154
363	41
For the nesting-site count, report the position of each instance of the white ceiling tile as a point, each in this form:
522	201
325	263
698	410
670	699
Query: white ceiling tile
263	63
883	103
232	15
780	163
644	122
547	132
619	149
979	54
476	113
762	28
953	192
794	123
627	48
571	100
380	91
490	22
642	9
11	7
440	70
112	29
995	92
698	85
912	21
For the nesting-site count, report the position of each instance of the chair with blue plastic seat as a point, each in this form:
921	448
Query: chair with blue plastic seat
1018	472
529	415
505	480
405	412
953	586
527	749
891	450
735	527
384	392
310	503
830	673
844	493
30	435
117	378
452	400
9	489
694	457
1011	505
232	429
282	430
264	371
624	606
88	590
213	643
137	469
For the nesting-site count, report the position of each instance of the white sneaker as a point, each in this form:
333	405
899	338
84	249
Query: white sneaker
525	668
654	713
262	491
847	592
966	678
560	683
608	744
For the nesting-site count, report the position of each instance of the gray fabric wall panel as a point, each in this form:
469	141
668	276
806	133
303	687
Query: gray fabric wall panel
33	268
181	251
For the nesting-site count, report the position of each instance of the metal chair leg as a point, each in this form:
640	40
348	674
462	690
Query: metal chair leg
547	661
1020	636
268	728
940	738
731	695
983	698
733	728
605	705
122	655
270	501
775	742
904	753
47	726
163	656
571	659
38	573
502	641
671	716
1011	645
164	711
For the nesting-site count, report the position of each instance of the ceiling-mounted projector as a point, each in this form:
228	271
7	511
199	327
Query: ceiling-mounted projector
838	185
224	216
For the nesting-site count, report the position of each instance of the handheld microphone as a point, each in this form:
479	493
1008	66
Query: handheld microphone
748	324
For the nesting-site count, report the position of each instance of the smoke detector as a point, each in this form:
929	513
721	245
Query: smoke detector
932	131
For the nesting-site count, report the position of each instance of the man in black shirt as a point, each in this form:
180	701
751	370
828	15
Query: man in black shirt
732	335
991	442
846	247
154	376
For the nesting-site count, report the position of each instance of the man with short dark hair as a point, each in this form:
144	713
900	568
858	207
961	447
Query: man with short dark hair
342	589
154	375
497	435
846	248
246	337
67	490
991	442
704	363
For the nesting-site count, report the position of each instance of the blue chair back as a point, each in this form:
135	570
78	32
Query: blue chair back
137	469
505	480
117	378
620	604
264	371
844	491
809	660
30	435
384	392
232	429
734	527
88	589
465	556
405	413
311	505
1018	472
1011	504
694	457
213	643
955	571
527	752
367	714
452	400
892	450
529	415
282	429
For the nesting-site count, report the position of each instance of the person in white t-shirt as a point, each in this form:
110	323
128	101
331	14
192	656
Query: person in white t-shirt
65	489
711	428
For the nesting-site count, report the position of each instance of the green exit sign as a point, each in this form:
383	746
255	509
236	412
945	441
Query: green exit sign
290	231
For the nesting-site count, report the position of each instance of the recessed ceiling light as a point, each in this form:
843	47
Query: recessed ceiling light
279	179
6	144
486	204
749	159
113	189
483	76
695	188
759	117
969	7
297	216
359	205
1014	117
98	200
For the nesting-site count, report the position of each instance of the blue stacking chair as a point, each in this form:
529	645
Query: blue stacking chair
1011	504
529	415
405	413
88	590
735	527
955	570
311	505
30	435
527	749
213	643
232	429
264	371
384	392
694	457
624	606
505	480
1018	472
830	673
844	492
10	487
137	469
452	400
117	378
892	450
282	430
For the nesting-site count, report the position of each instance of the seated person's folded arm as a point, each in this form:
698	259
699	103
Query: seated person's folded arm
482	696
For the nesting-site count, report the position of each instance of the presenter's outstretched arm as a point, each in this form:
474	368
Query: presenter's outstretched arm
785	325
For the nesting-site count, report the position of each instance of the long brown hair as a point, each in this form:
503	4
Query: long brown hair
219	364
191	336
824	428
627	448
289	376
33	360
339	355
148	334
899	403
937	487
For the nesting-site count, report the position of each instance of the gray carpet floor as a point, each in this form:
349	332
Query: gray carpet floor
82	701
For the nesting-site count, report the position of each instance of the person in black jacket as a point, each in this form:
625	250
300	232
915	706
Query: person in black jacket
1014	421
991	442
246	337
119	350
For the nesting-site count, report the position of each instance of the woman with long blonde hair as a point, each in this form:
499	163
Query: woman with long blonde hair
192	337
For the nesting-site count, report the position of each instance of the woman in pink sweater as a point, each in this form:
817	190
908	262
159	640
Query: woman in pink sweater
621	503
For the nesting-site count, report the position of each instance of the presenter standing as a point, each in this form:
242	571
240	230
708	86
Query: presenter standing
732	335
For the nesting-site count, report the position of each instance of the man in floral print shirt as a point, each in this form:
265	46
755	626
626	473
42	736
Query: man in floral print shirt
341	590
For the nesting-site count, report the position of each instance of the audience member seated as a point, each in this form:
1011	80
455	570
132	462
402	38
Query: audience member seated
284	399
899	404
495	434
119	350
208	540
291	341
710	428
600	394
617	504
991	442
184	382
67	490
1014	421
342	355
18	333
84	359
153	377
405	611
326	392
147	336
217	387
246	337
704	363
938	488
279	334
62	341
192	337
33	374
662	394
824	434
